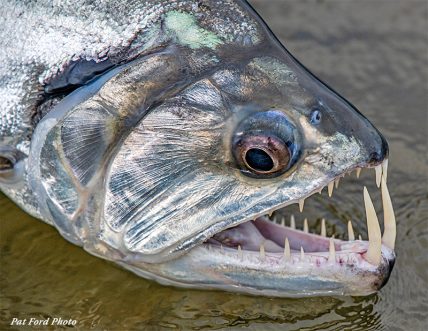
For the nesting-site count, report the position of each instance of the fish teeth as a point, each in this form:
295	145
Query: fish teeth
287	251
374	251
336	183
282	220
274	218
292	222
390	226
305	226
323	230
301	204
330	187
351	236
240	254
262	252
378	171
358	172
331	252
385	169
302	254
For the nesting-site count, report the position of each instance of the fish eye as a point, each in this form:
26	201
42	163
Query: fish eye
265	144
262	154
315	116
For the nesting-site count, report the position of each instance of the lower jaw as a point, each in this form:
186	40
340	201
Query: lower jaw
213	267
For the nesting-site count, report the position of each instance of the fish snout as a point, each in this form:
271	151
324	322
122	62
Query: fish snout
379	150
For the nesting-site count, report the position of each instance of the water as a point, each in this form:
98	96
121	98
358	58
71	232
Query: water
375	54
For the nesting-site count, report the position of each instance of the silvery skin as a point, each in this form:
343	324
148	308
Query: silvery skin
163	136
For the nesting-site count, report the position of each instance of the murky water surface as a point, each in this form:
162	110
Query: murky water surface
375	54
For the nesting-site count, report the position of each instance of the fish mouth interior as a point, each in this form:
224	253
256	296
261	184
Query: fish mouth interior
275	236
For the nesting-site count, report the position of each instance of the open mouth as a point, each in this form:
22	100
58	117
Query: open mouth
276	238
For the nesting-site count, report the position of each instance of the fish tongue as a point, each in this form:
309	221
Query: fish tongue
248	237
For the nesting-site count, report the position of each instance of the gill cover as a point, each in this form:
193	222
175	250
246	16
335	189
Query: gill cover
159	154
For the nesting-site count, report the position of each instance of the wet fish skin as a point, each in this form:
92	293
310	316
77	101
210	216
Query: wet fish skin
40	40
125	117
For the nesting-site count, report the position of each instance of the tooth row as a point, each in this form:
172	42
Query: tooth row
381	171
332	257
351	235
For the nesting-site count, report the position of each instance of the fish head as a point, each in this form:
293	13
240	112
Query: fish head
170	163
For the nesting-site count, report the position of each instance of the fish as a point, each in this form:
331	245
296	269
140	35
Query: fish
173	138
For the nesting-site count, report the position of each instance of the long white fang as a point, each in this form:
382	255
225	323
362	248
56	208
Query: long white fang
270	213
287	251
336	182
323	230
301	204
378	170
351	236
292	222
262	251
331	252
305	226
240	255
390	226
302	254
374	251
358	172
282	220
360	238
385	169
330	187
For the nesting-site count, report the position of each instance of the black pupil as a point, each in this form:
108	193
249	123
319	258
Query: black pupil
258	159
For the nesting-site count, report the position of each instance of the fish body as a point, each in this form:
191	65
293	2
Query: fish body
157	134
